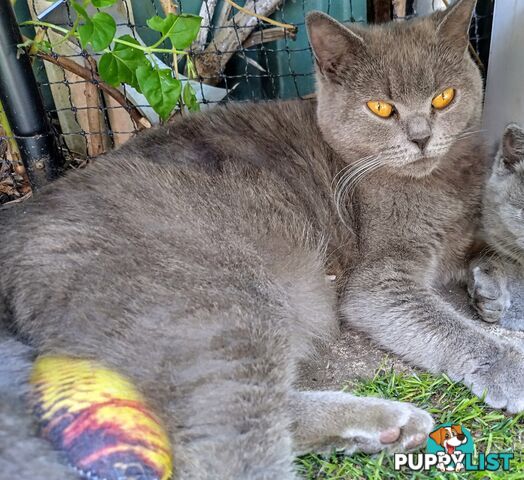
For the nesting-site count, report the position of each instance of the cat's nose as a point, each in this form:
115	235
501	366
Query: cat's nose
421	142
418	130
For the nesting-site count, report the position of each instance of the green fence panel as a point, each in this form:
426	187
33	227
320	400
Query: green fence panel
287	64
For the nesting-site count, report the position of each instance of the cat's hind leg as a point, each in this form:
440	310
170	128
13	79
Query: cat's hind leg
228	412
323	421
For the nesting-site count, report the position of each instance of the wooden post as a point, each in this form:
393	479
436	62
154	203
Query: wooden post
380	11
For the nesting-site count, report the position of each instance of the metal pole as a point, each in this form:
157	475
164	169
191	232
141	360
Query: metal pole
23	104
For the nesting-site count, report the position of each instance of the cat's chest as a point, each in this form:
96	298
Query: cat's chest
437	220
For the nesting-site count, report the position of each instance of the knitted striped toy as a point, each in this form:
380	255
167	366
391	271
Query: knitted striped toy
98	420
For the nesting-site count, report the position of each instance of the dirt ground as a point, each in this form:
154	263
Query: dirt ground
351	357
354	356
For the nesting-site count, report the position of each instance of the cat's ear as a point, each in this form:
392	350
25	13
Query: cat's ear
512	146
332	43
453	23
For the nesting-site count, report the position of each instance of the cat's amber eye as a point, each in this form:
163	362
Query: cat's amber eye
443	99
380	108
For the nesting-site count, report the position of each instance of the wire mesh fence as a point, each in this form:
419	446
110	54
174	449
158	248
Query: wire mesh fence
252	59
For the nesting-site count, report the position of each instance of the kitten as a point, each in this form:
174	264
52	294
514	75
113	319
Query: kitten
496	282
193	259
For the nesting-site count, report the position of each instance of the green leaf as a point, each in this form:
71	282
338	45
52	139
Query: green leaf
180	29
119	65
103	3
185	31
190	98
81	11
99	31
161	90
162	25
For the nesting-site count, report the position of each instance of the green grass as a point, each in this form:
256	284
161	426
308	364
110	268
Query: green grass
492	430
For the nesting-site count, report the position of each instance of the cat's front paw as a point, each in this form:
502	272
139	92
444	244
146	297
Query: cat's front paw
501	378
488	292
389	425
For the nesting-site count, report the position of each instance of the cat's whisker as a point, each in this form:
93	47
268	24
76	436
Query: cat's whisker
484	253
359	168
353	168
359	162
353	185
355	173
452	135
349	187
357	178
348	178
510	249
344	170
339	177
466	134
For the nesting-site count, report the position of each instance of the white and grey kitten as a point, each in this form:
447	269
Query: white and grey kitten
497	278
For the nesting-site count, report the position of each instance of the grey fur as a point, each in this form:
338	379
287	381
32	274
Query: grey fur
22	454
206	286
414	217
193	259
496	281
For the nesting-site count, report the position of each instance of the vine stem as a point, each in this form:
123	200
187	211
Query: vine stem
4	123
16	160
70	33
65	31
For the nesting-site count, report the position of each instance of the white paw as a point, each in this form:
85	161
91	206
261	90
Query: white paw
390	425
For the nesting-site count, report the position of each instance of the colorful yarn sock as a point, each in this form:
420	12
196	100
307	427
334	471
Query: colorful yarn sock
98	419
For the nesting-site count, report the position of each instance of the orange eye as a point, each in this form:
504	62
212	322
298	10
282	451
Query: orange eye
381	109
443	99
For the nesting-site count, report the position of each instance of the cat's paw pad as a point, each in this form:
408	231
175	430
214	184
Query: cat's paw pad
488	294
392	426
98	419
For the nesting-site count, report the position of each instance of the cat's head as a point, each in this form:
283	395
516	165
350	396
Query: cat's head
504	197
405	91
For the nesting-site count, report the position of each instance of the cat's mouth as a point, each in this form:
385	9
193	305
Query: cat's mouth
421	166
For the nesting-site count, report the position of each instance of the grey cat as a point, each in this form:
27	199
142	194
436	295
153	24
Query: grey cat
194	259
496	281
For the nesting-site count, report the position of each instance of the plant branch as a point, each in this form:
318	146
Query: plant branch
287	26
230	38
207	10
95	141
267	35
71	66
224	14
